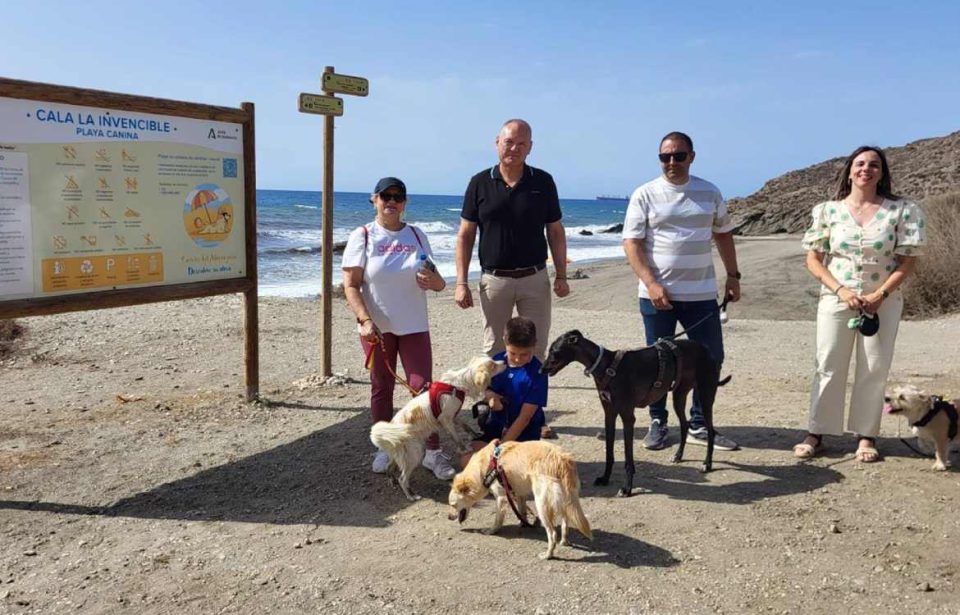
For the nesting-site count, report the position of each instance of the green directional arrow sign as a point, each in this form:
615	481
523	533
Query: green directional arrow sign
345	84
321	105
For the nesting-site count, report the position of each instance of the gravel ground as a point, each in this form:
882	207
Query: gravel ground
134	477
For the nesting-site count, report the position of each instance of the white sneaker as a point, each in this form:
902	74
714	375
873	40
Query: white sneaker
438	463
381	463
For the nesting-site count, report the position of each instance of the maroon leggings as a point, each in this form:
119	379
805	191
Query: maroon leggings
414	351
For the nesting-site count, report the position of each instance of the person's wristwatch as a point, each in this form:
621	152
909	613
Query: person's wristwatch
735	274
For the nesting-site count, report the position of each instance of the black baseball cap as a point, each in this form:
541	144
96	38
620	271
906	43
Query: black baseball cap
390	182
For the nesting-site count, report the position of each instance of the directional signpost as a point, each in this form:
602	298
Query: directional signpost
345	84
321	105
329	106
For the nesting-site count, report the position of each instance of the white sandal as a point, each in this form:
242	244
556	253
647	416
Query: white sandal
805	450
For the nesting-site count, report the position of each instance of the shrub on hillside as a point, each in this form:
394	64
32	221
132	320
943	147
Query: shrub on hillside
10	331
934	289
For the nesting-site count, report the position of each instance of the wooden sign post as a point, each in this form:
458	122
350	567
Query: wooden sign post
329	106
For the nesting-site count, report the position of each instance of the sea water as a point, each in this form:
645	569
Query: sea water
289	234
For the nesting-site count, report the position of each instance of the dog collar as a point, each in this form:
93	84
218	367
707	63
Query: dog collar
442	388
593	368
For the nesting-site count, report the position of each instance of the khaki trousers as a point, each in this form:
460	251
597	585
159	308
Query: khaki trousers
835	344
530	295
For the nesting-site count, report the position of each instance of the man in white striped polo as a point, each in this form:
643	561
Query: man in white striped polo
667	235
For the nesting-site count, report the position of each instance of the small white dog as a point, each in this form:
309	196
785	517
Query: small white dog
404	437
932	419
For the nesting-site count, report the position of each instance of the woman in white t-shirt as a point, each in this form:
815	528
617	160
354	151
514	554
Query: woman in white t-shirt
385	282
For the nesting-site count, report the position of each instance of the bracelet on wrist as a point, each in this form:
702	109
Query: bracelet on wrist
884	293
836	291
560	277
463	283
361	321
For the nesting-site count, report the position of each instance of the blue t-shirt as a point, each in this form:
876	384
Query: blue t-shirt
518	386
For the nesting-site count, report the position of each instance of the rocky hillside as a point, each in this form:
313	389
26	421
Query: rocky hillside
923	168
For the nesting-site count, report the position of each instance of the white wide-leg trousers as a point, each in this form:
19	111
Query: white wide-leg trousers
835	344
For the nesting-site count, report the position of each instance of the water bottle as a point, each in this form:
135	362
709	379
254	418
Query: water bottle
426	265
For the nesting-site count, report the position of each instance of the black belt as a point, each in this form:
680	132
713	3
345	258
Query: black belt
515	273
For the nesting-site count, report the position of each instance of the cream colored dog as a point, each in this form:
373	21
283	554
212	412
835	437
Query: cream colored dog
915	404
534	468
404	437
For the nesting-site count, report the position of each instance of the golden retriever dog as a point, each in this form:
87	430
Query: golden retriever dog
404	437
534	468
915	404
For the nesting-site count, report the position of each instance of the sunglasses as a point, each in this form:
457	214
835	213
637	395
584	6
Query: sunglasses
677	156
396	197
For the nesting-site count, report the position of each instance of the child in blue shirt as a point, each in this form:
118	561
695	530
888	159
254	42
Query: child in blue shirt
517	395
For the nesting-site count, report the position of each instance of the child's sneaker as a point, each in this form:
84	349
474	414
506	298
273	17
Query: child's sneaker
438	463
381	463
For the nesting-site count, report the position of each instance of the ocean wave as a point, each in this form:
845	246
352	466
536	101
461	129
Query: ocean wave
302	250
338	247
593	253
435	226
299	206
293	289
297	237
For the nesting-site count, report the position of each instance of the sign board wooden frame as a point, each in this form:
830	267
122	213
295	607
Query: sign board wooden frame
119	297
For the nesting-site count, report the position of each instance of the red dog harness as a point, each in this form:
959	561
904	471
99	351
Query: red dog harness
495	473
442	388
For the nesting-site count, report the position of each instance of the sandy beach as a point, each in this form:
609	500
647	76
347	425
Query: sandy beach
134	477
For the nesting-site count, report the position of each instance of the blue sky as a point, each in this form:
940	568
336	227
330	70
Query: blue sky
762	87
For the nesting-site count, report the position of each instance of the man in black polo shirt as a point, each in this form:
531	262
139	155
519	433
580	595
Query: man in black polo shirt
512	204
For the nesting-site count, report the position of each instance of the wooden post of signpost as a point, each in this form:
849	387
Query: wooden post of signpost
329	106
251	318
326	254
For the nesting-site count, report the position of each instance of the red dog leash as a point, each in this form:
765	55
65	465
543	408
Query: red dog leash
495	473
369	364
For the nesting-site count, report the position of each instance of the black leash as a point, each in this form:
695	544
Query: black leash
914	449
723	307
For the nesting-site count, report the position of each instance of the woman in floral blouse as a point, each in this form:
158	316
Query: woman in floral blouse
861	247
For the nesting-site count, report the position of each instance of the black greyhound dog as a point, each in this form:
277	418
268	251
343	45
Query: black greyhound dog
632	379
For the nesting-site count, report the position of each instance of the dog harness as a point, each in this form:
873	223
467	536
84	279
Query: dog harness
946	407
608	374
495	472
668	371
442	388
